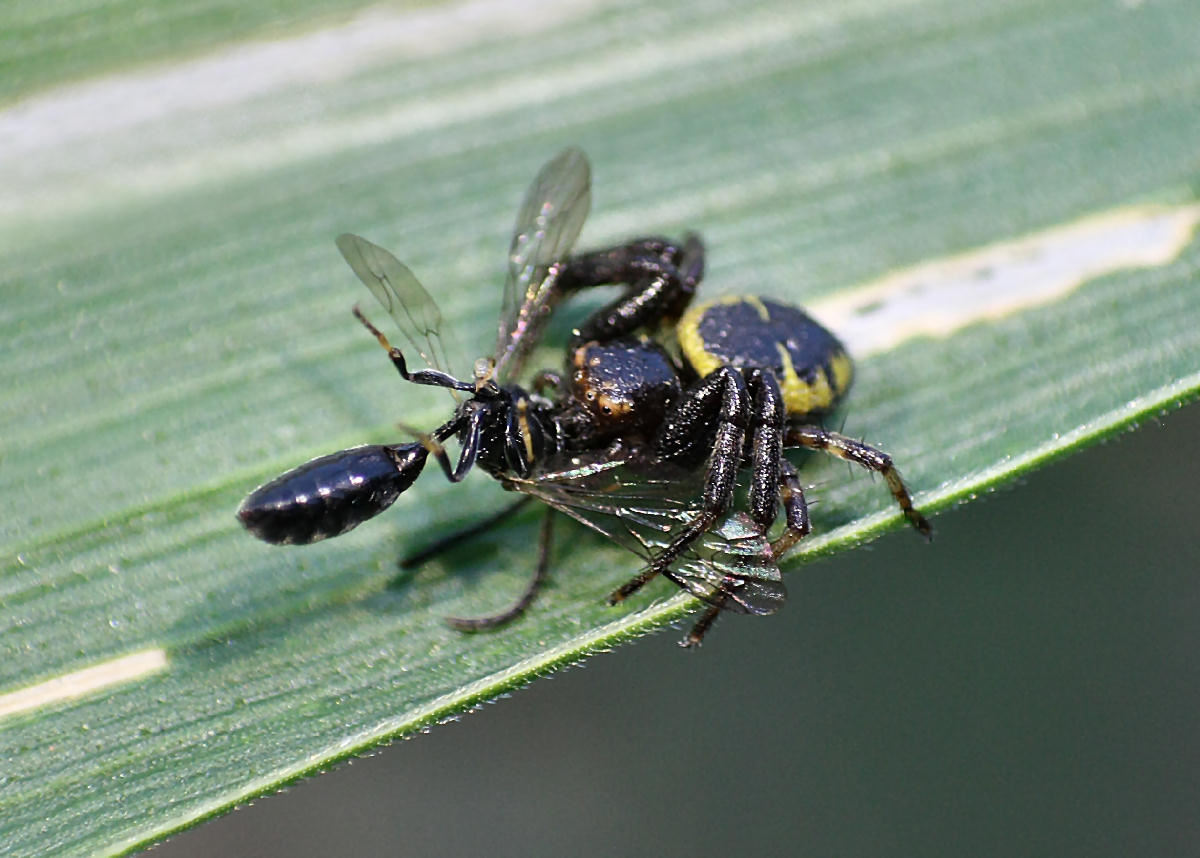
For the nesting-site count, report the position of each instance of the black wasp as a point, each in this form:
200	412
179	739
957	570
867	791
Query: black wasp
638	443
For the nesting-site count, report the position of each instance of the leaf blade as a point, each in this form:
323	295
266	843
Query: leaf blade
150	388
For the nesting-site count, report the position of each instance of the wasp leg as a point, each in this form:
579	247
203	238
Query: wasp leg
816	438
632	585
451	540
660	278
478	624
701	626
795	509
469	453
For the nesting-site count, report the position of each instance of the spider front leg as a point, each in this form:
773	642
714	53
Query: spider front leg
765	450
719	400
816	438
616	264
791	495
660	277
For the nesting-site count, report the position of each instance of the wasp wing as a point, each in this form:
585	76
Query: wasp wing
548	223
732	567
641	509
412	308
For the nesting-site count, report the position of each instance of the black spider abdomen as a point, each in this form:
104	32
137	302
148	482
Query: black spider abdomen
812	366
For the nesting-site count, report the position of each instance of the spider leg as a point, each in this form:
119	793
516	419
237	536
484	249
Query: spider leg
797	516
866	456
477	624
691	263
795	509
614	264
765	447
719	399
769	479
548	379
660	278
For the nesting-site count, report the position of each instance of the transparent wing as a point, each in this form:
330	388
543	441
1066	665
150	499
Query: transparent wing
730	566
549	222
401	294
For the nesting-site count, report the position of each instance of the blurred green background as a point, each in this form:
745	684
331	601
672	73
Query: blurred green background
1026	685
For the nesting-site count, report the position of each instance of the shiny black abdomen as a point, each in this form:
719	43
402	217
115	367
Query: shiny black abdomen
331	494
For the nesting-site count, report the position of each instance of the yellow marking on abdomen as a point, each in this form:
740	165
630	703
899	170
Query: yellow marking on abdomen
800	396
687	331
755	302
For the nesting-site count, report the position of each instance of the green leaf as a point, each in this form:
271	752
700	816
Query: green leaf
175	330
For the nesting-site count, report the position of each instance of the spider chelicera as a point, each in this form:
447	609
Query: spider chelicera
638	441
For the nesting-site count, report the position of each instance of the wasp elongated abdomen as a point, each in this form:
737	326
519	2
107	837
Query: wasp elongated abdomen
332	494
